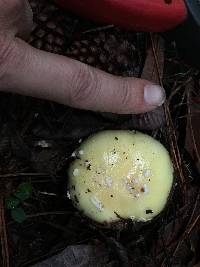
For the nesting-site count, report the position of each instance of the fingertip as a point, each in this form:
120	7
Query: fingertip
154	95
143	96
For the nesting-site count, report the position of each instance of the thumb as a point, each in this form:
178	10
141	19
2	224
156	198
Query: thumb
44	75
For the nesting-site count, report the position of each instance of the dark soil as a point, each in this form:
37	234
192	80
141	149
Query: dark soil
37	138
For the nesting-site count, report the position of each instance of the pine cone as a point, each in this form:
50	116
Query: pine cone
52	28
111	49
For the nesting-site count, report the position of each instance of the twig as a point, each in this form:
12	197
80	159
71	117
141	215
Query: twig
47	214
178	88
3	236
172	134
190	121
103	28
156	59
190	225
9	175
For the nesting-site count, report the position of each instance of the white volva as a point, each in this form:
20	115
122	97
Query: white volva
121	174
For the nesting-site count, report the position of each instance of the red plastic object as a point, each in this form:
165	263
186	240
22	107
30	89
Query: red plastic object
140	15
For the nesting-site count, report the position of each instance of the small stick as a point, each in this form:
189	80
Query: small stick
103	28
3	236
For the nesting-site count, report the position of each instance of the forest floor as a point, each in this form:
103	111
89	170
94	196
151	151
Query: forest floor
37	138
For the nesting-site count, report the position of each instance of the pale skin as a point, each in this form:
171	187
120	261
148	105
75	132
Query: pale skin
28	71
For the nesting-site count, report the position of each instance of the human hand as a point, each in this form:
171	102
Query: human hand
28	71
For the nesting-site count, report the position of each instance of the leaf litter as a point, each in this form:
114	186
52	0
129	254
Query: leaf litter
53	232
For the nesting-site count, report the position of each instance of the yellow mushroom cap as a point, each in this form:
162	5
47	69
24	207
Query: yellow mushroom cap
120	174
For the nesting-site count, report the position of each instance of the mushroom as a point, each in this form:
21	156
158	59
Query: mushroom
120	175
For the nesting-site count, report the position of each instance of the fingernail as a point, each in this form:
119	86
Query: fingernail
154	95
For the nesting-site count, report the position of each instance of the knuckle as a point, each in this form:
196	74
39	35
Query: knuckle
84	85
126	93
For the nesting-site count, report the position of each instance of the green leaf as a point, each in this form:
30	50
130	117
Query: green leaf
24	191
18	215
11	202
